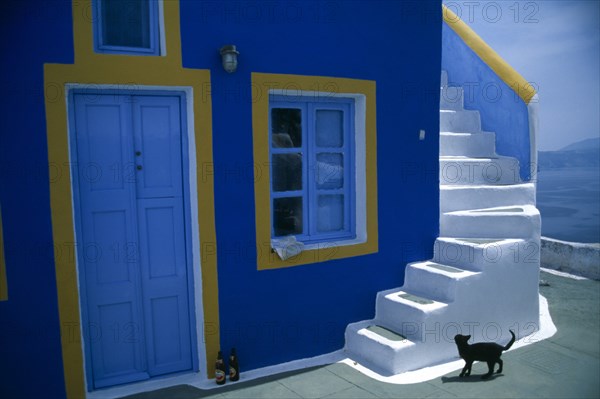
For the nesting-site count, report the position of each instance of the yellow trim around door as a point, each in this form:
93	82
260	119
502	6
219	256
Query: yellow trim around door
123	72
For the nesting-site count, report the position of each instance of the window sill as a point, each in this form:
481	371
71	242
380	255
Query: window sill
317	253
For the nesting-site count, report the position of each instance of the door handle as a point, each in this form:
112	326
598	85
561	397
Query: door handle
137	154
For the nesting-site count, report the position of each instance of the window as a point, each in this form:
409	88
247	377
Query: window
126	27
312	168
315	154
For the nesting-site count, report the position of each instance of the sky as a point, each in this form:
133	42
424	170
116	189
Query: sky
556	46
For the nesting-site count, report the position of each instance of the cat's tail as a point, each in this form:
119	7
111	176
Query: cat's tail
512	341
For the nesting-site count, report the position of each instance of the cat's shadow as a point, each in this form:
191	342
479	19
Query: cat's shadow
471	378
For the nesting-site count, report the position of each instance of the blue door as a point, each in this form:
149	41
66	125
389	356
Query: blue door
132	248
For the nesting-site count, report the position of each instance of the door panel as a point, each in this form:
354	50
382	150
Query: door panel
157	134
105	126
132	250
162	250
119	357
166	344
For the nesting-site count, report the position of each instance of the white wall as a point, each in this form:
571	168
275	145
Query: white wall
571	257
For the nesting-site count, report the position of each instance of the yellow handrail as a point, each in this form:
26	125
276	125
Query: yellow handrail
487	54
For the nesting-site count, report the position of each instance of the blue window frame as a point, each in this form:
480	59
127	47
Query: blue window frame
126	27
312	168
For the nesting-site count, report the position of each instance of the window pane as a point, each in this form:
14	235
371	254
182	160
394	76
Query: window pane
287	216
330	128
286	128
330	171
125	23
287	172
330	213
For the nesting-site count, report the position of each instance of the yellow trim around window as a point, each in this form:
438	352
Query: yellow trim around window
3	284
123	72
262	83
487	54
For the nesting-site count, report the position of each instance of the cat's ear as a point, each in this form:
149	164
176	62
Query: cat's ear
468	337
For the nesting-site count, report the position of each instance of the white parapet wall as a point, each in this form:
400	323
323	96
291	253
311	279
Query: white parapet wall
571	257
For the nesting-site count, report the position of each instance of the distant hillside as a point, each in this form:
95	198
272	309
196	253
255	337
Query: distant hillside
585	153
589	144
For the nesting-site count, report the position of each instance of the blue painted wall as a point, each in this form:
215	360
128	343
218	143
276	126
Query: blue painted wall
502	110
31	33
270	316
274	316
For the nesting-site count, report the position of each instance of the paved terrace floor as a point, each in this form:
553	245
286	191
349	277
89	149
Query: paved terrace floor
567	365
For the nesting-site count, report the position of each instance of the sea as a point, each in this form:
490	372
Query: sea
569	202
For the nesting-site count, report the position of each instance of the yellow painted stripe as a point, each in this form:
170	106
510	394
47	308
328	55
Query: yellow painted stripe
487	54
3	284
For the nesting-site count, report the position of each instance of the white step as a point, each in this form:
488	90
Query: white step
477	145
460	198
482	201
513	222
479	171
405	312
439	281
460	121
452	98
480	254
376	347
388	353
444	80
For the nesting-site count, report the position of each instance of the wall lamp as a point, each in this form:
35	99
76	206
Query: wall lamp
229	57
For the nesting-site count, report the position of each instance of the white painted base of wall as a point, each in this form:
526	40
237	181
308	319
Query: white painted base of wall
562	274
199	381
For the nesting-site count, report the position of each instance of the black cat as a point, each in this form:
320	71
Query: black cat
488	352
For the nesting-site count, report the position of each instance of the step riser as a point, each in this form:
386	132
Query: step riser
403	319
465	198
371	350
490	226
438	287
361	348
478	145
391	362
452	98
460	122
482	172
495	254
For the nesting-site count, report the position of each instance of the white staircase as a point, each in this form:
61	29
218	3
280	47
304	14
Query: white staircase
483	279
